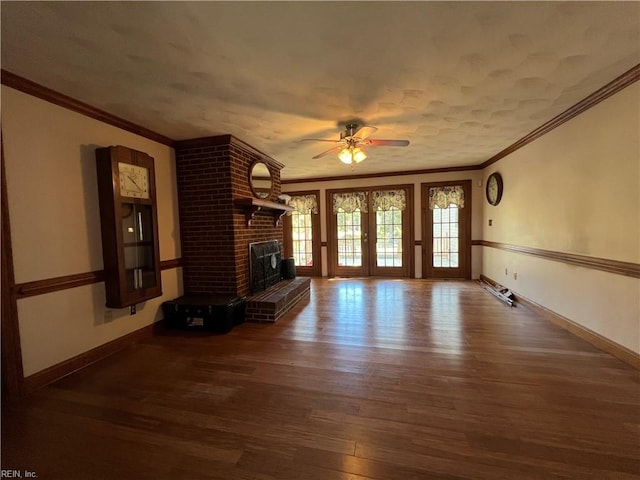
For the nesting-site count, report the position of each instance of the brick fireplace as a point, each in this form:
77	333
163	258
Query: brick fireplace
213	175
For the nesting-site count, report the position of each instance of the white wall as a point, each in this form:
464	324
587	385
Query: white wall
416	180
575	190
55	226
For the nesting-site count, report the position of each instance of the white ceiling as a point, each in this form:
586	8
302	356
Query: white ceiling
460	80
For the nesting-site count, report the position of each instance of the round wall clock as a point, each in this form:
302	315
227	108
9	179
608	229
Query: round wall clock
494	188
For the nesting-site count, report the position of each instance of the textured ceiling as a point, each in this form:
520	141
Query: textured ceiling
460	80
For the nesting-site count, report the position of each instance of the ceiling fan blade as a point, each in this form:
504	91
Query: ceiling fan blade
317	140
337	148
364	132
387	143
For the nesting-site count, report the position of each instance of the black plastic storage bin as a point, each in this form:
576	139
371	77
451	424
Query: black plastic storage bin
205	312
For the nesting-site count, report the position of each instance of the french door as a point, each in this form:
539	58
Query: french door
446	229
369	231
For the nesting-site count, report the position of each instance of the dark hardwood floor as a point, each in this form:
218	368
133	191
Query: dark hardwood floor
370	379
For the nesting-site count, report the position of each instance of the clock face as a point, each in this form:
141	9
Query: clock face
494	188
134	180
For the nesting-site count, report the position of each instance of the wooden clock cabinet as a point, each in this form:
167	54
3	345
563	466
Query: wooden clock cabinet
129	225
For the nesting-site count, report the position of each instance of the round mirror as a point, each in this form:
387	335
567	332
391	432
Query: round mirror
260	180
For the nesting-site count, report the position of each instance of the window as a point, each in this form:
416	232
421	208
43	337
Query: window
349	238
445	237
389	238
302	238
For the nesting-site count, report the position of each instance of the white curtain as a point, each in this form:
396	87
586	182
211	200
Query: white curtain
349	202
385	199
442	197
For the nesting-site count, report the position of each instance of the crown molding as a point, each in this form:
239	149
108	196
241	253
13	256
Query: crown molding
627	78
23	85
27	86
384	174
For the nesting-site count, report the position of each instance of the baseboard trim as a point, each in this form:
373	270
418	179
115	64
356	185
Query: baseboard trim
60	370
628	356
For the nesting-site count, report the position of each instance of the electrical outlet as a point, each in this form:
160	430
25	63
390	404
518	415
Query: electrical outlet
490	222
506	272
515	275
108	316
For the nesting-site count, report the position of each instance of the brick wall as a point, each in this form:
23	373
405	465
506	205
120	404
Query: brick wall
211	173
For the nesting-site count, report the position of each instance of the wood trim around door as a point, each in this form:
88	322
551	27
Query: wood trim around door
12	371
302	270
332	246
408	235
465	229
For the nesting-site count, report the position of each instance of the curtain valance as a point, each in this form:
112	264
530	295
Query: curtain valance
349	202
386	199
442	197
304	203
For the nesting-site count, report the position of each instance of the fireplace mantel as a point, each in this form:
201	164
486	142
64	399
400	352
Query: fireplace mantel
251	206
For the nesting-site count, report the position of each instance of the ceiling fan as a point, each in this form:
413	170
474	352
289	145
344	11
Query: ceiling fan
352	139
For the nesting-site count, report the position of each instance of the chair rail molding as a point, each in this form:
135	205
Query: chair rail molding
611	266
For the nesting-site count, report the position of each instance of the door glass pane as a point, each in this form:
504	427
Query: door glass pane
445	237
302	239
349	238
389	238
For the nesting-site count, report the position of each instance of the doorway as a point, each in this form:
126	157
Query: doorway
446	229
369	231
301	238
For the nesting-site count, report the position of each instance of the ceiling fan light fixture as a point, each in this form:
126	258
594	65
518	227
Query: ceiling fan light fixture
358	154
345	156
